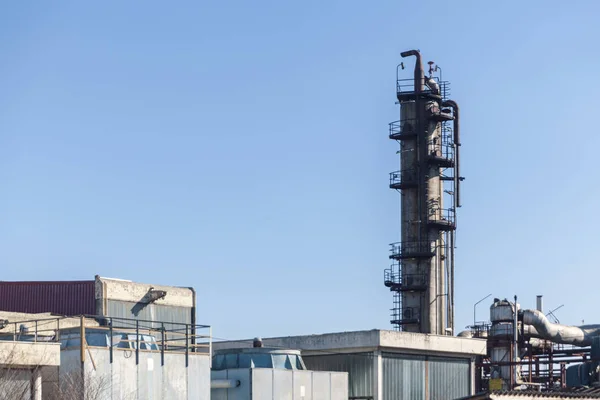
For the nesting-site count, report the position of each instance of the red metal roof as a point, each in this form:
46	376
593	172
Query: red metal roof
60	297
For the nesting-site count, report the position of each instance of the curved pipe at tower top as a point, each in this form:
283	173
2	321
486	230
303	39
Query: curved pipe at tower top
558	333
419	74
456	109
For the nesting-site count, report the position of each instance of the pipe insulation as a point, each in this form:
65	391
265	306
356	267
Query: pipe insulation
558	333
224	383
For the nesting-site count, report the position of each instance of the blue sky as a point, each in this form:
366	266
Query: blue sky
241	148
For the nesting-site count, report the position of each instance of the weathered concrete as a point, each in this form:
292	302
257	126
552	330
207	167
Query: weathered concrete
29	355
353	342
116	289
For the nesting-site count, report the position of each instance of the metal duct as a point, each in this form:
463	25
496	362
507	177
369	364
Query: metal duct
557	333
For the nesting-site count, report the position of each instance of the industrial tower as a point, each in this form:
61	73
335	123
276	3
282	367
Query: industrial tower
421	276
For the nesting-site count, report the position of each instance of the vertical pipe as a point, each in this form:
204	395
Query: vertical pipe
530	362
110	332
162	344
210	344
457	144
82	340
540	303
551	365
515	343
186	345
82	349
451	283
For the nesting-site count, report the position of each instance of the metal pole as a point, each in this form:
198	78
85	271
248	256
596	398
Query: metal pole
475	309
210	345
162	343
186	345
515	343
110	332
137	342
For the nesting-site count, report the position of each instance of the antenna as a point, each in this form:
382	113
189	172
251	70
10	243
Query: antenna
551	314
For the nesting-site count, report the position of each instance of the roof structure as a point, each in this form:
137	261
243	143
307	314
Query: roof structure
574	393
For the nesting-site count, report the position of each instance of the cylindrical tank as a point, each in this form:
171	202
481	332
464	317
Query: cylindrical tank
501	339
502	330
502	311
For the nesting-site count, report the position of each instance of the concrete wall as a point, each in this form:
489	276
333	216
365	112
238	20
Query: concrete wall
371	340
29	354
126	299
123	379
115	289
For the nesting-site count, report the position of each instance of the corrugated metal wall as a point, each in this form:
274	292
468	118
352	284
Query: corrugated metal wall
150	312
449	378
359	367
65	298
403	377
408	377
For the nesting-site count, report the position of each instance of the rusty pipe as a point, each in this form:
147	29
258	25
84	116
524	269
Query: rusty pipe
419	74
456	111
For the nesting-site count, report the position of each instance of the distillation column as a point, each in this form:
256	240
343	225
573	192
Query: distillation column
422	274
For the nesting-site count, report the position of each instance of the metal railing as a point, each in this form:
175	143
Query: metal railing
412	249
405	127
405	282
406	315
406	177
114	334
446	216
407	86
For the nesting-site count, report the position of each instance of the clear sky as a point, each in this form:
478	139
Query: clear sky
240	147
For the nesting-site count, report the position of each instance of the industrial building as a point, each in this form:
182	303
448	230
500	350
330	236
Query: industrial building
101	296
138	343
531	350
385	365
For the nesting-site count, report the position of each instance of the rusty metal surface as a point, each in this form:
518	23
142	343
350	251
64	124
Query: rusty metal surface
60	297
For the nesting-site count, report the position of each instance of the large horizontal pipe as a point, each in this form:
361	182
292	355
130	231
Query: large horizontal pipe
224	383
558	333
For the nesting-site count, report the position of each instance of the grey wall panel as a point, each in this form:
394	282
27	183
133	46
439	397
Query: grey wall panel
449	378
283	385
149	312
403	377
262	385
339	386
303	385
199	377
359	367
321	386
123	379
